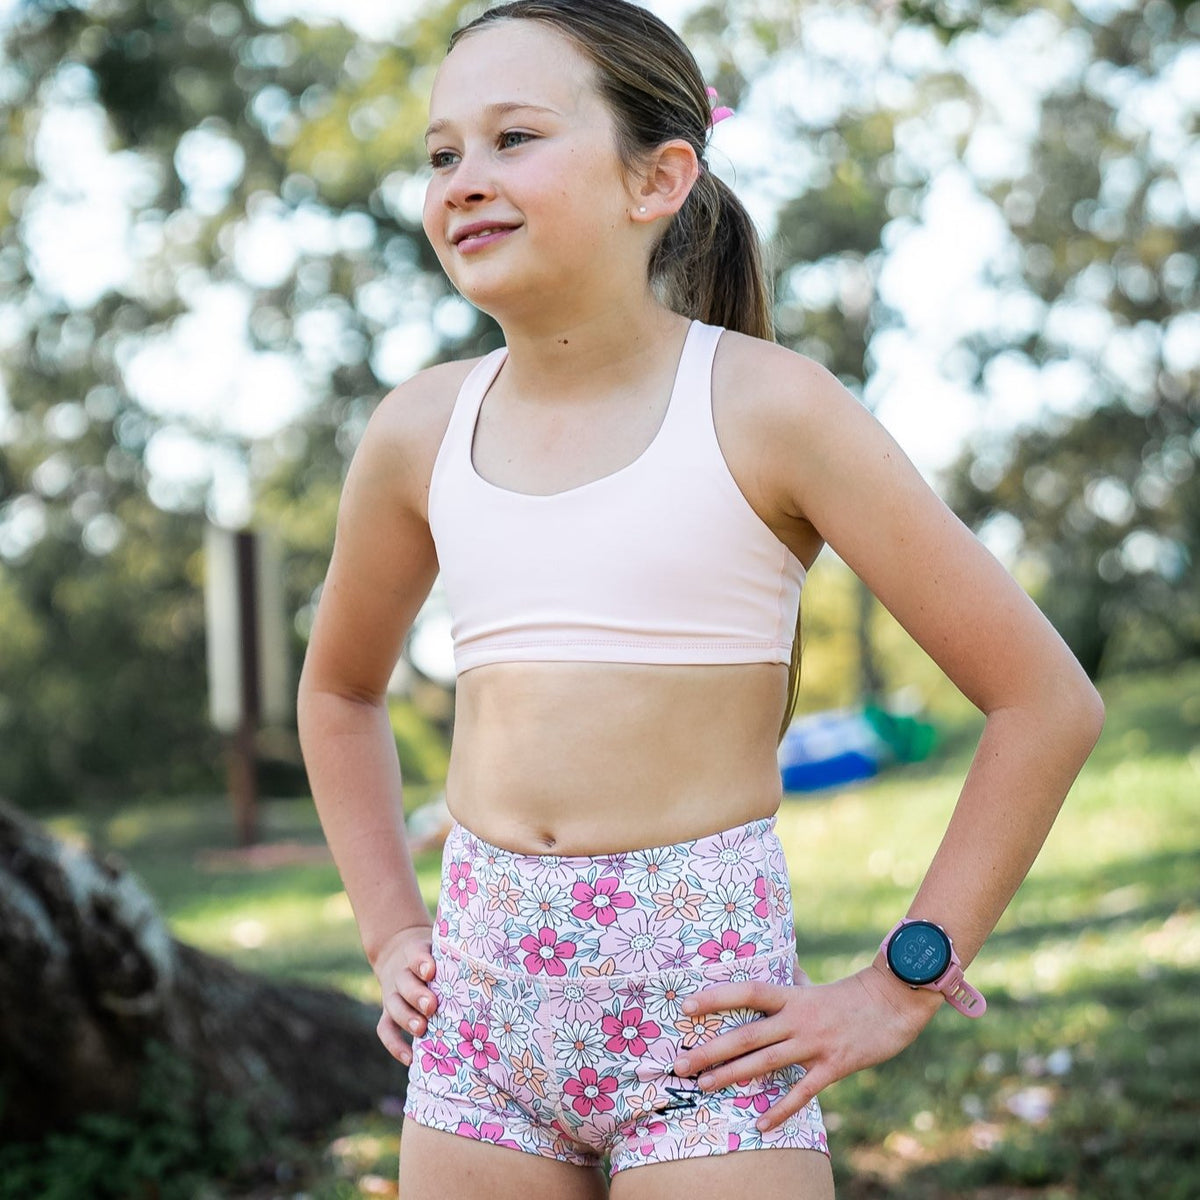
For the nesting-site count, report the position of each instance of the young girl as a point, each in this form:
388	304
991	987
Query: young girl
622	503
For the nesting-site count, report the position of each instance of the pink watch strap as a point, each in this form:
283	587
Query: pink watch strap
968	1000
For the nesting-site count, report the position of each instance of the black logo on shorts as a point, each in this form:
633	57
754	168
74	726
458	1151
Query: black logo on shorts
681	1099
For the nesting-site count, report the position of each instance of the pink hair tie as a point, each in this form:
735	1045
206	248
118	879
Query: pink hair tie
720	111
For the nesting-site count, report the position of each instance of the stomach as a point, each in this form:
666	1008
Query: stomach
594	758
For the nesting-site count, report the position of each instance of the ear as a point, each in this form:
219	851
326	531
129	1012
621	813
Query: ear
665	181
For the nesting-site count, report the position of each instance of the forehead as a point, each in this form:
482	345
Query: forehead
513	61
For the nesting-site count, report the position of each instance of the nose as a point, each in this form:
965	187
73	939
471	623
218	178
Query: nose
470	182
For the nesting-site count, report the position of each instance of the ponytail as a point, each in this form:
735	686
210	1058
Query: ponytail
709	262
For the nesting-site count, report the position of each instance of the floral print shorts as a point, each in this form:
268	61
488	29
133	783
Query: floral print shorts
560	982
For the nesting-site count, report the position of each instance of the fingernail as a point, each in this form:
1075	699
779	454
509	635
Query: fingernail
415	1025
762	1124
689	1006
424	1004
706	1081
682	1066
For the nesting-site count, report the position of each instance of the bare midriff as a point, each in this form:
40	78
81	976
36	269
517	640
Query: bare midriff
593	758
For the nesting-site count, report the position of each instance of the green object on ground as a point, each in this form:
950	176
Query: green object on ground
909	738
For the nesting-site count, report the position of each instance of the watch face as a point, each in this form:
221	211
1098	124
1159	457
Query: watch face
919	953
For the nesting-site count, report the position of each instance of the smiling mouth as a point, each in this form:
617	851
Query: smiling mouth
475	237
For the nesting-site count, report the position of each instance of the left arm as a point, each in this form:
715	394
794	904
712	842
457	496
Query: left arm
835	467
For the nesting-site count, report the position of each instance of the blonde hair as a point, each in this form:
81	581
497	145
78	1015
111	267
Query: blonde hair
708	264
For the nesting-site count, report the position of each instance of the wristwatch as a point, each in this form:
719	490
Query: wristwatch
922	955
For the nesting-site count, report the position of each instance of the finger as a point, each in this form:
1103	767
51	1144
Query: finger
730	1046
795	1100
748	1066
389	1035
403	1014
416	994
764	997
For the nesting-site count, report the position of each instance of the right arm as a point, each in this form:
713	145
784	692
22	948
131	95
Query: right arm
383	566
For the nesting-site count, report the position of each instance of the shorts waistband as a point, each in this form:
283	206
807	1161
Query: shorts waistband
719	898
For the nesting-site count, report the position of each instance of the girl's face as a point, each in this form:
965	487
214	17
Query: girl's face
529	201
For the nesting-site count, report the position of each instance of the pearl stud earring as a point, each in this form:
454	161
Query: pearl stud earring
641	208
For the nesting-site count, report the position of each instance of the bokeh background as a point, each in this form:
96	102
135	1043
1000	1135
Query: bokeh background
981	216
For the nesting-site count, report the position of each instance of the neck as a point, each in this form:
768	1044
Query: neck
556	356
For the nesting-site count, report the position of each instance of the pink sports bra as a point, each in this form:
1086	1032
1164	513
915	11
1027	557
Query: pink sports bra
662	561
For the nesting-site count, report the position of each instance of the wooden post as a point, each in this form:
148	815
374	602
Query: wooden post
243	757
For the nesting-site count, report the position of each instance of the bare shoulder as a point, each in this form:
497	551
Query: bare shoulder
787	386
783	421
403	435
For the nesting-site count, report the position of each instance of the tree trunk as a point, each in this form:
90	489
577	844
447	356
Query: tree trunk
90	975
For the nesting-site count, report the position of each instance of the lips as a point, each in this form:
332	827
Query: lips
479	230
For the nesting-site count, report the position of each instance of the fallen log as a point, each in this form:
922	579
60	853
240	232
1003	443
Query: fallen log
90	977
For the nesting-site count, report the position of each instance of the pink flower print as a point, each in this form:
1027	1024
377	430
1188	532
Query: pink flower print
442	926
735	1142
628	1032
577	999
503	894
486	1131
462	884
435	1056
591	1091
679	903
728	857
763	892
698	1029
476	1044
546	953
641	1136
760	1101
640	944
600	901
527	1074
728	949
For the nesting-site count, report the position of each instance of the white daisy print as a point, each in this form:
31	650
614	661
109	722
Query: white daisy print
579	1044
728	906
653	870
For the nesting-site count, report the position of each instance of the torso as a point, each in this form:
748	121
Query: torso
587	758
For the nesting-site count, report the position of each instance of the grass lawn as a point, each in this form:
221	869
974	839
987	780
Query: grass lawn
1083	1080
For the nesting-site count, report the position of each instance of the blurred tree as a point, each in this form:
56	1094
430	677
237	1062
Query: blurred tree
235	134
1102	498
227	124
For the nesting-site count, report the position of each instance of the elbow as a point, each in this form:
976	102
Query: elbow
1091	714
1081	714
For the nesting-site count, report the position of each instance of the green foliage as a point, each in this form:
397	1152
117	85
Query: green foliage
176	1140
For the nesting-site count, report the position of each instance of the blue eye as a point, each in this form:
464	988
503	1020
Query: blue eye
512	138
441	158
